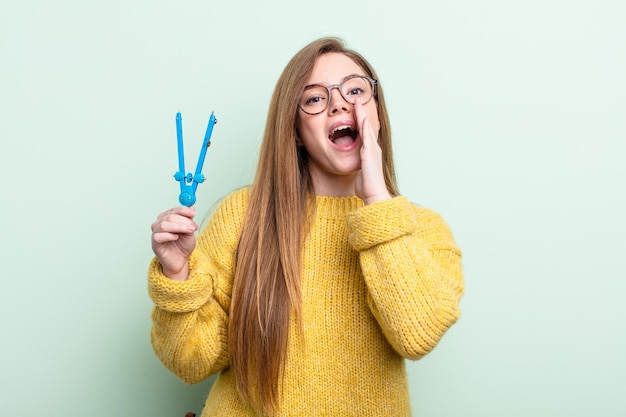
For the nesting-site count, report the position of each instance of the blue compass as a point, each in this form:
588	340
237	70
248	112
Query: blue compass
189	182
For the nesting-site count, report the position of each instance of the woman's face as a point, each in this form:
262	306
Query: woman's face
331	137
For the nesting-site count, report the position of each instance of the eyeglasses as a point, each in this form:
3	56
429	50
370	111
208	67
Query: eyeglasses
316	98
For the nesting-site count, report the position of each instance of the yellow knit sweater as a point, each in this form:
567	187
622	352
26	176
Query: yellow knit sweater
380	283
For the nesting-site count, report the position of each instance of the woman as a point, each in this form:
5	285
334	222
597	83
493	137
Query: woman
308	289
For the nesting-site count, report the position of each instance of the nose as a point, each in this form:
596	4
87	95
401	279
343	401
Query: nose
337	101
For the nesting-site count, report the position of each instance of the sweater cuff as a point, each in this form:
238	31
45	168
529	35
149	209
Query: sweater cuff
380	222
179	296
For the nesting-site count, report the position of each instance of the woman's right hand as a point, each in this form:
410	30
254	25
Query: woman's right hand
173	240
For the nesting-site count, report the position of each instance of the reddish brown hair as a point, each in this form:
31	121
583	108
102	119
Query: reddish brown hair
266	288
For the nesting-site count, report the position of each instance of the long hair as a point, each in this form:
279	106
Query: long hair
266	289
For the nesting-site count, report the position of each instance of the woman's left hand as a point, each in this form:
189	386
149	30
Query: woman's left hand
370	182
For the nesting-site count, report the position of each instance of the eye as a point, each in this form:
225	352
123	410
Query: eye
354	91
355	86
313	100
314	96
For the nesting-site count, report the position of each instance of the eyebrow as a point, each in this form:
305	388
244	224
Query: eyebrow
342	80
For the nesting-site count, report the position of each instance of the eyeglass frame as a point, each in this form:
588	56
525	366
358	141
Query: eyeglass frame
329	89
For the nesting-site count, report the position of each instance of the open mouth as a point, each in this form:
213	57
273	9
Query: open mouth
343	135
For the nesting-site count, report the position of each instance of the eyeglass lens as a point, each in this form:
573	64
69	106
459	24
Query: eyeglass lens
316	98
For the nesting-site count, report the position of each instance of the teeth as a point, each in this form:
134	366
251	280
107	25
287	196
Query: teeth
338	128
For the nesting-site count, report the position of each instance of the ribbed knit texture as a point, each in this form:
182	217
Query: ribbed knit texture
380	283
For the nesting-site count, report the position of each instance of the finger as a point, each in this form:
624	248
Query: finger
365	127
176	227
188	212
361	117
162	237
174	224
177	214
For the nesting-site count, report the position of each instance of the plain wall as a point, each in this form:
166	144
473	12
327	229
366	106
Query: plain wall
508	119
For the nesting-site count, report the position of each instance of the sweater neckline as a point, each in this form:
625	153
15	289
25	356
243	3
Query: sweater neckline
328	206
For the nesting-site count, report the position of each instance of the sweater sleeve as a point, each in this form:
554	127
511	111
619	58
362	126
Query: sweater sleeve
190	318
412	269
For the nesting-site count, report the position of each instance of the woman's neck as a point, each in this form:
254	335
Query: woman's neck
326	184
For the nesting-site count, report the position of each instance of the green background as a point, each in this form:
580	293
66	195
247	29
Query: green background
508	119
